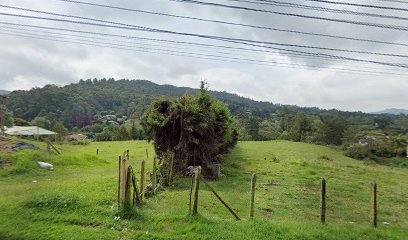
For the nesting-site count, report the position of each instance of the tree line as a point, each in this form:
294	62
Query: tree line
77	107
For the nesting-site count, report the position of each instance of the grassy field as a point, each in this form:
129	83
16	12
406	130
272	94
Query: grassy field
78	199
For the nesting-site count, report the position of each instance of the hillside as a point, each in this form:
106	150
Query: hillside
77	104
87	98
78	199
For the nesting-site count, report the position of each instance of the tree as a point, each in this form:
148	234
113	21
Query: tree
300	127
134	133
60	129
197	129
41	122
8	118
268	131
382	122
122	134
333	129
252	127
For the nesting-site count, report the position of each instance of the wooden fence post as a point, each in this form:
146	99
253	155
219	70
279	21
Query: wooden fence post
123	173
374	204
196	188
97	151
191	193
119	176
323	201
154	175
147	154
136	195
253	185
128	191
142	181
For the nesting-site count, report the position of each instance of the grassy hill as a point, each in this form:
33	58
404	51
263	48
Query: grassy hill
78	199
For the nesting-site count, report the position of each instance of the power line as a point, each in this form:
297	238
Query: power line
236	53
197	55
165	40
395	1
256	50
360	5
317	8
261	42
235	24
225	39
369	24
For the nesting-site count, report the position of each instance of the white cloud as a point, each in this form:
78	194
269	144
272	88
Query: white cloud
27	62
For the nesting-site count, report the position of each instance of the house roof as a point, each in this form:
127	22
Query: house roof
28	131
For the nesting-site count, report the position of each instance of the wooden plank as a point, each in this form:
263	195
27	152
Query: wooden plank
128	191
136	195
219	198
196	189
123	174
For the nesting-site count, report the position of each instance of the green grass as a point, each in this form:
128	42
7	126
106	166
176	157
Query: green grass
78	199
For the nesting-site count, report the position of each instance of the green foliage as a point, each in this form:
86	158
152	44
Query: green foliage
60	129
300	128
333	130
268	130
197	129
358	151
121	134
41	122
378	148
8	118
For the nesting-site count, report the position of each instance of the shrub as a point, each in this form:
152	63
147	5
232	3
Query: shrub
197	129
358	151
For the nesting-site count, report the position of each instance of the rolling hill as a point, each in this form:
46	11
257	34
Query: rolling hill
76	104
78	199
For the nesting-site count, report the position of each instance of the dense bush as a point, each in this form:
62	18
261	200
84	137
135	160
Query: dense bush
358	151
197	129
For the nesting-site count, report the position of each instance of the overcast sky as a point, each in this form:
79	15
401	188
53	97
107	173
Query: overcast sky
27	62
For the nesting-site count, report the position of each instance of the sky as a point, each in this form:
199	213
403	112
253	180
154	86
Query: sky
34	57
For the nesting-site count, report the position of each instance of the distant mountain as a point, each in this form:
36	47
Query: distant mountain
393	111
4	92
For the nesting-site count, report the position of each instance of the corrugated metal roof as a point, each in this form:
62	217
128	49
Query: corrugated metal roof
28	131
